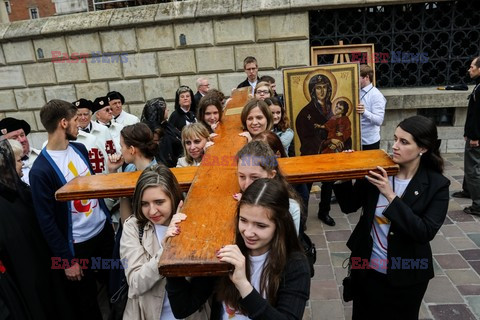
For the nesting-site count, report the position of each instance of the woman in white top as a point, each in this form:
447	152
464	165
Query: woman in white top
156	198
138	151
280	122
195	140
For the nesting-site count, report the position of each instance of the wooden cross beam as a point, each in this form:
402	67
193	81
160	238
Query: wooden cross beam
209	205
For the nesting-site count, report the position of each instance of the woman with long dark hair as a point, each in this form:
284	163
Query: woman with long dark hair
281	125
210	111
391	260
271	277
155	201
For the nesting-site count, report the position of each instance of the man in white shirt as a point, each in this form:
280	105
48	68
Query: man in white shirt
371	109
77	231
116	101
11	128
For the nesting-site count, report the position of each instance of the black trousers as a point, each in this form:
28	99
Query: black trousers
372	146
325	197
376	298
83	293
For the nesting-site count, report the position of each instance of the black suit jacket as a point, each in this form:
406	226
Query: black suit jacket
197	98
415	220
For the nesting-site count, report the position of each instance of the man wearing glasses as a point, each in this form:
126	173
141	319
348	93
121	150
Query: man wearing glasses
202	87
250	66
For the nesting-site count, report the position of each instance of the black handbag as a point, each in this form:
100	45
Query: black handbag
310	251
347	282
118	300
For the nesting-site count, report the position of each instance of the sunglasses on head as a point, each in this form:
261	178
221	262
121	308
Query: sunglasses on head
183	89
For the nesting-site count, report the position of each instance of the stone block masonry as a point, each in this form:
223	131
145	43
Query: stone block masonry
148	51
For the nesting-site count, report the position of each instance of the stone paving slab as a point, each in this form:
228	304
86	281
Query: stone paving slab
451	261
453	294
474	304
451	231
472	254
452	312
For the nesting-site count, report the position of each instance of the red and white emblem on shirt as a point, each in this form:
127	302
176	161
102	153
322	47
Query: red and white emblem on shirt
110	147
96	160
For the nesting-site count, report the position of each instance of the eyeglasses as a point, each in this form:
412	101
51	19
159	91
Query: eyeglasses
86	114
262	92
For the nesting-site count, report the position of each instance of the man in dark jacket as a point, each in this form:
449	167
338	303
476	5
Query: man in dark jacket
472	147
76	231
202	89
250	66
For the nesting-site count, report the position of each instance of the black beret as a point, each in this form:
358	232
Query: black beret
83	103
112	95
100	103
11	124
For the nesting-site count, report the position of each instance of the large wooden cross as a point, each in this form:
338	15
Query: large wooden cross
209	205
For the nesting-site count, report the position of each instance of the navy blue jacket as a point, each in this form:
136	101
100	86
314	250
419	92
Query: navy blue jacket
54	216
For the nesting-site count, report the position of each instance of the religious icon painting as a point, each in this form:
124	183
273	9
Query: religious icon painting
321	102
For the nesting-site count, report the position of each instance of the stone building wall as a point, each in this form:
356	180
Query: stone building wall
218	35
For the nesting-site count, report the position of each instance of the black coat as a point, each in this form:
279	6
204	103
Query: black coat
472	123
170	146
179	118
26	258
415	220
197	98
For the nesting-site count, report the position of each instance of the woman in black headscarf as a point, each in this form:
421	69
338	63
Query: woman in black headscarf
185	108
29	288
155	115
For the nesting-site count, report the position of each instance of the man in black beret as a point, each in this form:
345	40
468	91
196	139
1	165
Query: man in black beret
92	135
104	118
11	128
116	101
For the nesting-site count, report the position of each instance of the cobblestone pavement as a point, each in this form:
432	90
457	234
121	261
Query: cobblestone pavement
453	294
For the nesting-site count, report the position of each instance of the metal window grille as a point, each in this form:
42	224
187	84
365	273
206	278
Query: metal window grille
8	7
34	13
447	33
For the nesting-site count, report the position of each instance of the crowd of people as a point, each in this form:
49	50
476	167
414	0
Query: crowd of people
48	248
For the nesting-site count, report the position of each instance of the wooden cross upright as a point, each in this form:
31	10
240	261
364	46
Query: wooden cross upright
209	205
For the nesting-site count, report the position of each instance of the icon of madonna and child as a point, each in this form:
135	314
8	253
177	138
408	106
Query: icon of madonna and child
323	125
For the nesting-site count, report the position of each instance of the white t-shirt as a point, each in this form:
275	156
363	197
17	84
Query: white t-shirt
256	268
381	227
167	313
88	218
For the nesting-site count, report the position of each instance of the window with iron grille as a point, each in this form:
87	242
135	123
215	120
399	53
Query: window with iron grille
8	7
428	44
34	13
